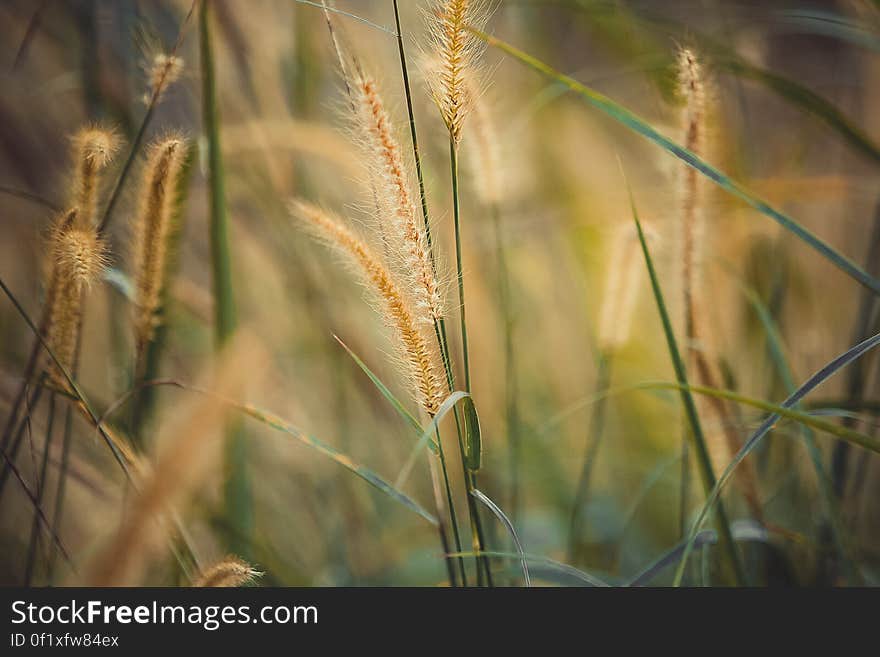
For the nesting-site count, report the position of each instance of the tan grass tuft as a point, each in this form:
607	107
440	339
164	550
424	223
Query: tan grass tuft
458	51
152	231
228	572
418	353
164	71
393	188
94	149
77	260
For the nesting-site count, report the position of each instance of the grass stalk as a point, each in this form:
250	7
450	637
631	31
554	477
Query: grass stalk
439	324
237	486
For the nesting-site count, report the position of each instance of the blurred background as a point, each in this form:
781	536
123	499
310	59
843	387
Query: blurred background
793	93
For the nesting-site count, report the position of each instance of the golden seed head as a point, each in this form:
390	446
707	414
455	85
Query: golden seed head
418	353
228	572
164	71
94	149
458	51
398	218
152	231
77	258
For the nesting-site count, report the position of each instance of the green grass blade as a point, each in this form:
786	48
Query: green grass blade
386	393
703	462
777	355
550	564
431	430
807	419
813	382
332	453
640	126
743	531
494	508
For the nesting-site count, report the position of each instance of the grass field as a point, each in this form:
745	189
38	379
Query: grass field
439	293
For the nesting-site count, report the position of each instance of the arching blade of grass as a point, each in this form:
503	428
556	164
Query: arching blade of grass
426	439
742	531
704	464
361	471
777	355
386	393
277	423
436	447
813	382
494	508
811	420
640	126
549	564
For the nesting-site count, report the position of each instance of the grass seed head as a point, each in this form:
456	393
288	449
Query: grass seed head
153	230
419	354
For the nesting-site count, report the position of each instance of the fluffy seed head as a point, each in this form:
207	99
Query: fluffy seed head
152	231
94	149
417	351
78	258
391	181
162	73
458	51
228	572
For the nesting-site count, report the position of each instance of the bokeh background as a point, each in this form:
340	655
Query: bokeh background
795	95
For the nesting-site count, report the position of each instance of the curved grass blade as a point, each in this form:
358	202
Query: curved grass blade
494	508
830	24
703	462
386	393
332	453
426	439
640	126
550	564
742	531
807	419
777	354
813	382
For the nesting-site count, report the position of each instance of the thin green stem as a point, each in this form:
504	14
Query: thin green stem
439	323
453	161
452	515
469	477
237	486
